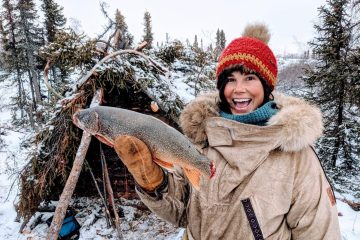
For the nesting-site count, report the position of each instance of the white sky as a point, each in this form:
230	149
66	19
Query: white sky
290	22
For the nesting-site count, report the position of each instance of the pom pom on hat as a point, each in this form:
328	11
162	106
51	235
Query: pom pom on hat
251	50
258	31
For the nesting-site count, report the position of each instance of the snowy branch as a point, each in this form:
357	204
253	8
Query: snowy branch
83	80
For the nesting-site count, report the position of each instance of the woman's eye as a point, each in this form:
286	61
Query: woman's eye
250	78
231	79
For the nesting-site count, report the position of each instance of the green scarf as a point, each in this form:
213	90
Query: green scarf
258	117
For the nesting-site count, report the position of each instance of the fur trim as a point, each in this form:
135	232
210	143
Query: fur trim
192	118
301	122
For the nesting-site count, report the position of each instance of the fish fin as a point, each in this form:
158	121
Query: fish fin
104	140
164	164
193	176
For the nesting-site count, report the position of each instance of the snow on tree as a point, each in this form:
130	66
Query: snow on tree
11	53
54	18
30	39
54	22
330	82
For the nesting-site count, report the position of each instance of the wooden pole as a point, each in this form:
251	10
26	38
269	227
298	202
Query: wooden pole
107	212
111	195
70	185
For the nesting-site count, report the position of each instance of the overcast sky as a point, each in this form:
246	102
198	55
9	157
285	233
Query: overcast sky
290	22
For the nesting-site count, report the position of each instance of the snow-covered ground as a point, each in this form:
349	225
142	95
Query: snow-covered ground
135	223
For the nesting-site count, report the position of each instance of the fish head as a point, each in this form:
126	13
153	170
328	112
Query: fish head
87	120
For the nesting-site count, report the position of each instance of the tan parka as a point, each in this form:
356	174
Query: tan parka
268	184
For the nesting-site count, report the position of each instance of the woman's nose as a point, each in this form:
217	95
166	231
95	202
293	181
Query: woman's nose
239	87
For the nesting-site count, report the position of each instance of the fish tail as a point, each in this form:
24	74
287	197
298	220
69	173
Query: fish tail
207	168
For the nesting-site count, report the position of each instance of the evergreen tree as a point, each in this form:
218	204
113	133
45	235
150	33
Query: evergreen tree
30	39
355	55
196	44
11	51
217	43
148	35
331	86
54	22
222	40
3	43
54	18
123	39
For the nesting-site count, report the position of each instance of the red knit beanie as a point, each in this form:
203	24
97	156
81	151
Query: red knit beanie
252	53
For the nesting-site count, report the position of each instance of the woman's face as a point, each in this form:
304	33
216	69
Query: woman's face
243	92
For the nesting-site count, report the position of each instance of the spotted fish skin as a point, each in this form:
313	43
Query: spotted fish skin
166	143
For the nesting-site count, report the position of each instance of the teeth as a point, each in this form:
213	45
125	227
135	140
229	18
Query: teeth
242	100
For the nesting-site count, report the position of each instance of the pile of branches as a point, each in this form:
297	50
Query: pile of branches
128	71
43	178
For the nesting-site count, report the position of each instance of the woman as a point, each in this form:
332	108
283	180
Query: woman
268	184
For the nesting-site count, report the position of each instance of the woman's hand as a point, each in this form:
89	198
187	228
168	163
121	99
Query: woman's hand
138	159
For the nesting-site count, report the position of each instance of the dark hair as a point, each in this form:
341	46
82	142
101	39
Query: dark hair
223	79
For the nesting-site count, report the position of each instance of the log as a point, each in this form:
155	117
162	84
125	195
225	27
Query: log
141	46
70	185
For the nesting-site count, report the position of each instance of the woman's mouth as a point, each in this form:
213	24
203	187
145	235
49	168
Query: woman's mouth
241	103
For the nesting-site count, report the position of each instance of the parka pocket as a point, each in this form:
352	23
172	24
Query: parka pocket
252	219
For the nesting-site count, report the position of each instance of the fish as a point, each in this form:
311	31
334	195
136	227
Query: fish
168	146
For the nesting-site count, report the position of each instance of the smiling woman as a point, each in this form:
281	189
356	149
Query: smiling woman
269	183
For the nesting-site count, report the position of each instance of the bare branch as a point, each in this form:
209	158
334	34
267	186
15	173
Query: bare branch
46	80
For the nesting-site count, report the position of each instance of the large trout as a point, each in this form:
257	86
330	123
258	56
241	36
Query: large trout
168	146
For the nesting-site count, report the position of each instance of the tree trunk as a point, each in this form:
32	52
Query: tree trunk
32	91
20	96
339	122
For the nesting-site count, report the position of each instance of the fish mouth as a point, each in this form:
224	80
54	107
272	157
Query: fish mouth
105	140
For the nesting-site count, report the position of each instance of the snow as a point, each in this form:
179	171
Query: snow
135	223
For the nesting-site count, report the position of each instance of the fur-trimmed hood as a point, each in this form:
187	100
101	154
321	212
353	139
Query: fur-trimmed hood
300	123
